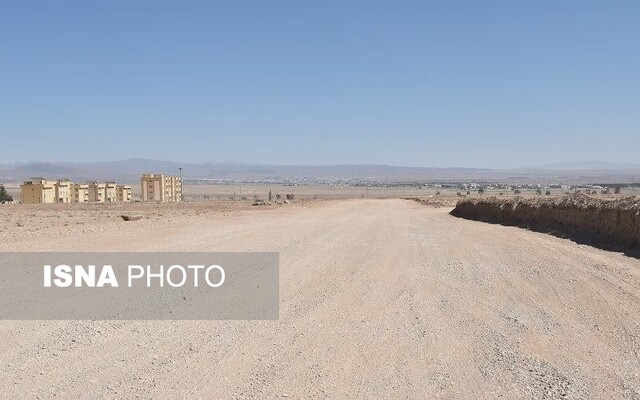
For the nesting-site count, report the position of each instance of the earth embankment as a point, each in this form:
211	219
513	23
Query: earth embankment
606	223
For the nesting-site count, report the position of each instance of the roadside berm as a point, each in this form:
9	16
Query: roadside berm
605	223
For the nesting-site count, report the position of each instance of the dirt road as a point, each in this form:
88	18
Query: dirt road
379	299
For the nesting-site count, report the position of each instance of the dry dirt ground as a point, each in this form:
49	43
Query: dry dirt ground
379	299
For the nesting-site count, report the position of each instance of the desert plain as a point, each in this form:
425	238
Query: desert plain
379	298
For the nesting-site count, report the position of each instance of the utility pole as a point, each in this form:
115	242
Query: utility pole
181	186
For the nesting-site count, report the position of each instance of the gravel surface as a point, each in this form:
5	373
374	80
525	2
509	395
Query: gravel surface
379	299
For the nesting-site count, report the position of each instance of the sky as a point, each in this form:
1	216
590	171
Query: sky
490	84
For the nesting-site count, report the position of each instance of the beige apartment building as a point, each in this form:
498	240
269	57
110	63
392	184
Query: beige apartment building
96	191
123	193
110	192
63	191
161	188
38	190
79	193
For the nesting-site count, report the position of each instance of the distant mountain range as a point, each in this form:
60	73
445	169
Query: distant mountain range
130	171
590	166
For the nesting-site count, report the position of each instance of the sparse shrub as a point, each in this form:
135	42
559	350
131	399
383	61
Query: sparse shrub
539	191
616	190
548	193
438	193
481	191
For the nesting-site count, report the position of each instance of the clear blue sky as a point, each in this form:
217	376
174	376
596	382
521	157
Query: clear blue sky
424	83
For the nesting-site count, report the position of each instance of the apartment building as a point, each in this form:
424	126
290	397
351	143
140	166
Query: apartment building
63	191
38	190
123	193
160	188
97	191
110	192
79	193
41	190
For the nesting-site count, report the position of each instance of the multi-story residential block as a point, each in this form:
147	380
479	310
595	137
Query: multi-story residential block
38	190
79	193
161	188
110	192
123	193
63	191
97	192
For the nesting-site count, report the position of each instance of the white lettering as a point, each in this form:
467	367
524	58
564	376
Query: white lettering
222	276
47	276
157	275
89	277
79	276
107	277
196	272
64	277
131	276
184	275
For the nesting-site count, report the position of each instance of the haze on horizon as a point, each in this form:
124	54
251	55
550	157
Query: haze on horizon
491	85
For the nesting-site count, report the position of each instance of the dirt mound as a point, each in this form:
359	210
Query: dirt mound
604	223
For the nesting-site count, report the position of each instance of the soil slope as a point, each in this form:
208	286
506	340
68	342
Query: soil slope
606	223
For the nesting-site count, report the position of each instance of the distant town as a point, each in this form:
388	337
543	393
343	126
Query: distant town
463	186
156	187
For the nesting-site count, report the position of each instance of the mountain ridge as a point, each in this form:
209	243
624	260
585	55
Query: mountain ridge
130	170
